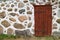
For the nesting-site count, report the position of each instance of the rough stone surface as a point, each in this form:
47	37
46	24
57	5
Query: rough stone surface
10	31
13	14
2	4
54	14
4	8
54	24
21	11
7	5
18	26
48	3
2	14
54	27
1	30
28	8
29	12
15	9
17	0
10	9
29	24
12	5
5	23
23	33
29	18
25	1
58	21
12	19
55	33
22	18
20	5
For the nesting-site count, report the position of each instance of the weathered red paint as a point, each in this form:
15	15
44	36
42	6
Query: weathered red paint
43	20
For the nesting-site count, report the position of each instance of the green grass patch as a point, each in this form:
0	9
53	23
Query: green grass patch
5	36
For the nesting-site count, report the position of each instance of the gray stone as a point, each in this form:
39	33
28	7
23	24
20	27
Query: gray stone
23	33
29	17
15	9
53	0
7	5
54	14
4	8
13	14
12	5
21	11
56	33
58	13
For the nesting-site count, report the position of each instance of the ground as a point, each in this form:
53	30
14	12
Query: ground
35	38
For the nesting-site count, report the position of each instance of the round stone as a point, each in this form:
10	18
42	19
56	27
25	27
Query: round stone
5	23
54	27
29	17
21	11
18	26
2	4
2	14
25	1
1	30
20	5
29	24
4	8
7	5
29	12
12	14
28	8
12	5
10	31
10	9
58	21
12	19
15	9
54	24
17	0
22	18
54	14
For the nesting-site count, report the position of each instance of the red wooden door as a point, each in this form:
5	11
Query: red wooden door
43	20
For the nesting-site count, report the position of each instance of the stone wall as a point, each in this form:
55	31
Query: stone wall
16	15
19	15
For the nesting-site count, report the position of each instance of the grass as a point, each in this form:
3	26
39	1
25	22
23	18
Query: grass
12	37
